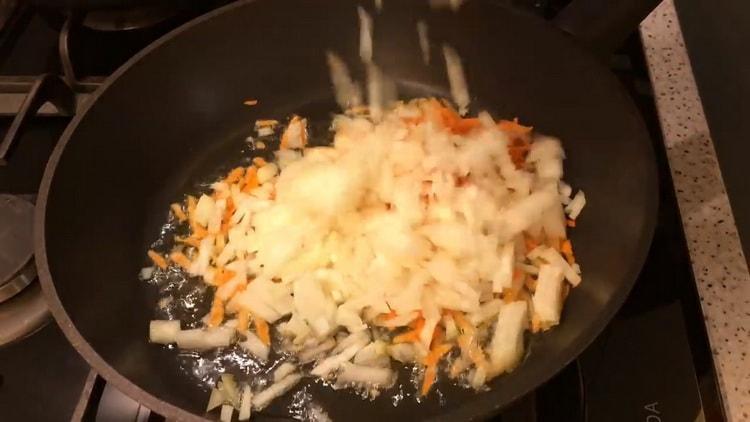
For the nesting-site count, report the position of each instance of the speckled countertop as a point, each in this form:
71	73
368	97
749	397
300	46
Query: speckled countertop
718	262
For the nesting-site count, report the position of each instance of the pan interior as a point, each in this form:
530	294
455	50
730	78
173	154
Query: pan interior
175	119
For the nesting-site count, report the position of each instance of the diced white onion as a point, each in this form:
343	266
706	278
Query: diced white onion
215	400
226	413
365	35
547	298
328	365
246	404
576	205
163	332
367	375
277	389
424	41
457	79
202	339
255	346
506	347
283	370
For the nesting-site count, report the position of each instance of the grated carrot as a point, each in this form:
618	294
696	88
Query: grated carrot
158	260
462	322
250	102
223	276
251	179
430	375
266	122
198	231
436	353
228	212
513	128
566	248
178	212
438	335
261	327
180	259
216	316
191	241
530	242
570	223
235	175
243	320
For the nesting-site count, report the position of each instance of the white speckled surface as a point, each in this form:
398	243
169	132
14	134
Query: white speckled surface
715	250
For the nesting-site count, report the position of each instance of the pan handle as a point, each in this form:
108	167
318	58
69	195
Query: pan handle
602	25
47	87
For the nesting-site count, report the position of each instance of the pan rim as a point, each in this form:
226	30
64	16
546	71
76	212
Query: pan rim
485	406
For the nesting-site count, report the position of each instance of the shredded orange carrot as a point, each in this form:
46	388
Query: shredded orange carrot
513	128
570	223
250	102
180	259
436	353
198	231
531	243
216	316
228	212
455	123
566	248
259	161
223	276
243	320
251	179
189	241
178	212
407	337
462	322
261	327
266	122
430	374
438	335
158	260
235	175
511	294
536	325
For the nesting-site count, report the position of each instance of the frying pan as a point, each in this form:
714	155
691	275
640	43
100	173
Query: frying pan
173	117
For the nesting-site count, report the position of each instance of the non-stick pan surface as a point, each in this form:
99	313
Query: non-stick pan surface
173	116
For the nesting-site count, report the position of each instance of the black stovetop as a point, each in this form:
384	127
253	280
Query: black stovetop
653	362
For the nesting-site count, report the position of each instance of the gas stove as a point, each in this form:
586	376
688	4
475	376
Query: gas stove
652	362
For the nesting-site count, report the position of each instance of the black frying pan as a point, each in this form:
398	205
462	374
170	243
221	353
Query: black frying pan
173	115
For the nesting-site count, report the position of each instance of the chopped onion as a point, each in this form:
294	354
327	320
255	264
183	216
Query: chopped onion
202	339
229	390
283	370
226	413
255	346
332	363
402	352
365	35
503	278
547	299
347	92
215	400
146	273
457	79
367	375
278	389
424	41
506	347
163	332
308	355
576	205
373	354
246	404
